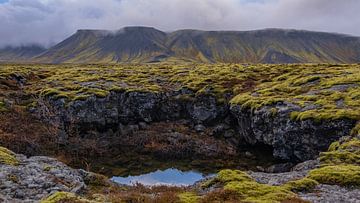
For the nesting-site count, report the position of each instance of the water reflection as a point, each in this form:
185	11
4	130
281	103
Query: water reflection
170	176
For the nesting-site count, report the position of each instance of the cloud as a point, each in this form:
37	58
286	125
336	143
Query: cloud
49	21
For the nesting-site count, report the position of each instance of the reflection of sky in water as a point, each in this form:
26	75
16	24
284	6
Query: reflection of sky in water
167	177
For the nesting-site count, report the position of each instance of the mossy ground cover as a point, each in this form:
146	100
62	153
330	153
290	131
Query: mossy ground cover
340	165
81	81
249	190
333	90
60	197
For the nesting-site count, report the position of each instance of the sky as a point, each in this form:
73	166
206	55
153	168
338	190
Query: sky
47	22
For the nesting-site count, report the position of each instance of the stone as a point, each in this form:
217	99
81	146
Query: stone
291	140
279	168
199	128
31	183
229	134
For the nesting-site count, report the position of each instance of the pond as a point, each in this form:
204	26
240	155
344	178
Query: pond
131	168
171	176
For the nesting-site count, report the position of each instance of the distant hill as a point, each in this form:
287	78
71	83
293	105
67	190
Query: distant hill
146	44
22	53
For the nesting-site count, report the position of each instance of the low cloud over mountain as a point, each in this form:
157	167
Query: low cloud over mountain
47	22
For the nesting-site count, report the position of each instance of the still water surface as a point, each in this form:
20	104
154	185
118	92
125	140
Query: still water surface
169	176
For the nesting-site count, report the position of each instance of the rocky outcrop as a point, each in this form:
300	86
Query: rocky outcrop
37	177
290	139
321	192
125	108
124	112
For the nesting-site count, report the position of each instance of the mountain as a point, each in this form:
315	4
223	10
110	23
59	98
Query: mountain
146	44
265	46
130	44
22	53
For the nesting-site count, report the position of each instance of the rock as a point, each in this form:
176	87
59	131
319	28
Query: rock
290	140
249	155
142	125
32	180
229	134
279	168
218	130
332	193
277	178
306	166
199	128
260	168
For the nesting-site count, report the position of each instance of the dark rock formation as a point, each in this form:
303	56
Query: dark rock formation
123	112
291	140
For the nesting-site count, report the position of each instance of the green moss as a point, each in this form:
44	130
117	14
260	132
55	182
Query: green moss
301	185
47	168
13	178
273	112
334	146
339	157
304	80
3	107
356	129
95	91
188	197
81	98
59	197
227	175
346	151
352	144
297	86
7	157
249	190
344	175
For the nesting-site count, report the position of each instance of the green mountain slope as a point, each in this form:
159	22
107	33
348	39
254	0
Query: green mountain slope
22	53
130	44
145	44
266	46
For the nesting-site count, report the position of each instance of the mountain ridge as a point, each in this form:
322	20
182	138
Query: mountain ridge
147	44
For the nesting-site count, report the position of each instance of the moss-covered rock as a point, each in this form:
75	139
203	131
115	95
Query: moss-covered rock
60	197
249	190
344	175
301	185
346	151
188	197
7	157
